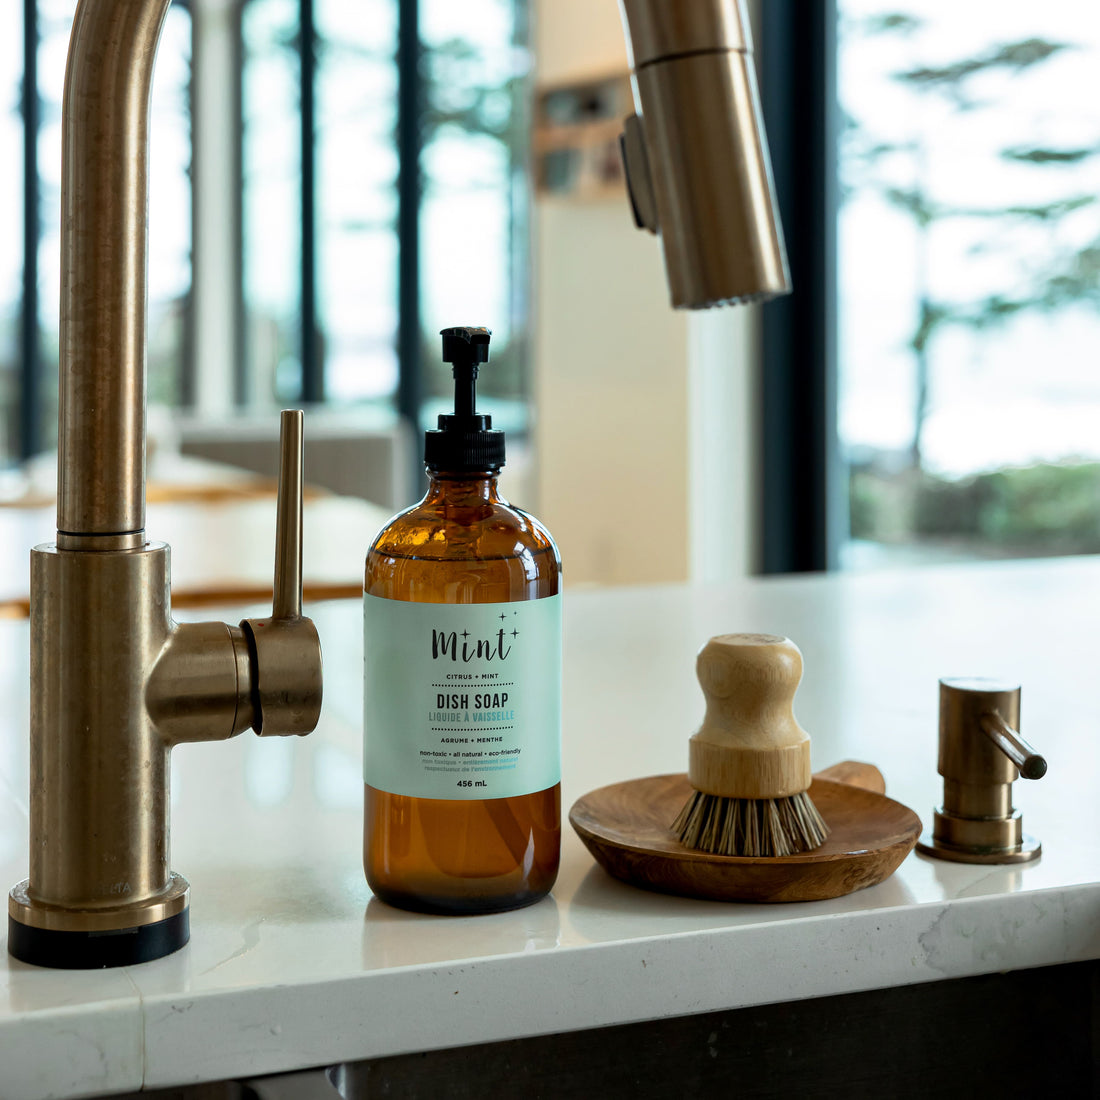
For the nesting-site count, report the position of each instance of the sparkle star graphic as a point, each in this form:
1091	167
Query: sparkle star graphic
515	633
465	634
502	616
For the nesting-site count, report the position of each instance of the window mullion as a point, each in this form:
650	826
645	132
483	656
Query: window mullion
312	367
30	412
799	451
410	96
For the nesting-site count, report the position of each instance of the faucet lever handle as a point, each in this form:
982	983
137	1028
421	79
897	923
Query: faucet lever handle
287	590
284	651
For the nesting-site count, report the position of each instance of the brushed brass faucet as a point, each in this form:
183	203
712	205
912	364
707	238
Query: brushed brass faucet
115	683
698	172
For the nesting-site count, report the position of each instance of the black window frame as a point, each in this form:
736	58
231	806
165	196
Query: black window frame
30	350
802	514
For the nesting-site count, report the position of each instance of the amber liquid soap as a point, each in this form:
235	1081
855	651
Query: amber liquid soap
463	681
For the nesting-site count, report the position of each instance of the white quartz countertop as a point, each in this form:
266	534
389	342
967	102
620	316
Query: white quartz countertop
293	963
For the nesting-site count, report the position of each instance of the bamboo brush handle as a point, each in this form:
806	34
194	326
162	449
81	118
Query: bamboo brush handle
749	745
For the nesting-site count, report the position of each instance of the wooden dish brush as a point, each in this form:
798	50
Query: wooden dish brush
750	760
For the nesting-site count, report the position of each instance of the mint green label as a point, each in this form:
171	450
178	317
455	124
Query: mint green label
462	701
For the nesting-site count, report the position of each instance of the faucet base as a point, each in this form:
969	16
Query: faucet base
98	936
62	950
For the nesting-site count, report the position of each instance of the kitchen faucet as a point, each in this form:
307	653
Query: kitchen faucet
115	683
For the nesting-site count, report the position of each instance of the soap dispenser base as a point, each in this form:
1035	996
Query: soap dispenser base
1028	849
62	950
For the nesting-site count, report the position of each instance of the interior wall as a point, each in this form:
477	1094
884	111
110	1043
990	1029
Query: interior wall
643	415
611	381
611	399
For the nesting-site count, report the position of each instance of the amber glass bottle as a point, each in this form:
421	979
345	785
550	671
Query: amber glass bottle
462	625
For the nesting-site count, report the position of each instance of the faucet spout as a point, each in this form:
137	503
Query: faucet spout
104	198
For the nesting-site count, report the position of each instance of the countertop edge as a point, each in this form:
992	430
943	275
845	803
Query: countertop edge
381	1013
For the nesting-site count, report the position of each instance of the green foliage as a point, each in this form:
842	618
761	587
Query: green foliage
900	22
951	79
1043	503
463	94
1049	156
1041	509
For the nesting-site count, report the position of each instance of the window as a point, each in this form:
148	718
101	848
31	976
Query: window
929	390
30	194
408	212
271	222
170	207
11	235
357	199
969	278
474	210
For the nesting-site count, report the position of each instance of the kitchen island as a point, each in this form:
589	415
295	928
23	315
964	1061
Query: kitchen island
293	964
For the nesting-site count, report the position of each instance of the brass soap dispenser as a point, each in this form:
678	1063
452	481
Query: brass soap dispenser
115	683
981	754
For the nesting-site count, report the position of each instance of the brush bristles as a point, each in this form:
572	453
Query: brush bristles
750	826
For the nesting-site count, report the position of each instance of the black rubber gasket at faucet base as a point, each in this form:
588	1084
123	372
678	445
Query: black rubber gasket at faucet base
64	950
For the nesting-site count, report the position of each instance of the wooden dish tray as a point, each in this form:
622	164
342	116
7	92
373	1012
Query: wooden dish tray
626	827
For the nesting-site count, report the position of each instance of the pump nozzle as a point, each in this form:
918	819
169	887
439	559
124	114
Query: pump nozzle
467	348
465	440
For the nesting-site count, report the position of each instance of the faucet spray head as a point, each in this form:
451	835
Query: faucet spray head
695	154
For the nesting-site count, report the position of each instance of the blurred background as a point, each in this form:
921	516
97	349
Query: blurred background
332	183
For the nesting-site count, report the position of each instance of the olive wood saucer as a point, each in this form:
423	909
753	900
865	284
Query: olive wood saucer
626	827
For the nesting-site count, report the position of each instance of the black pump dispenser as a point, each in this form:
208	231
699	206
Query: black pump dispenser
465	439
